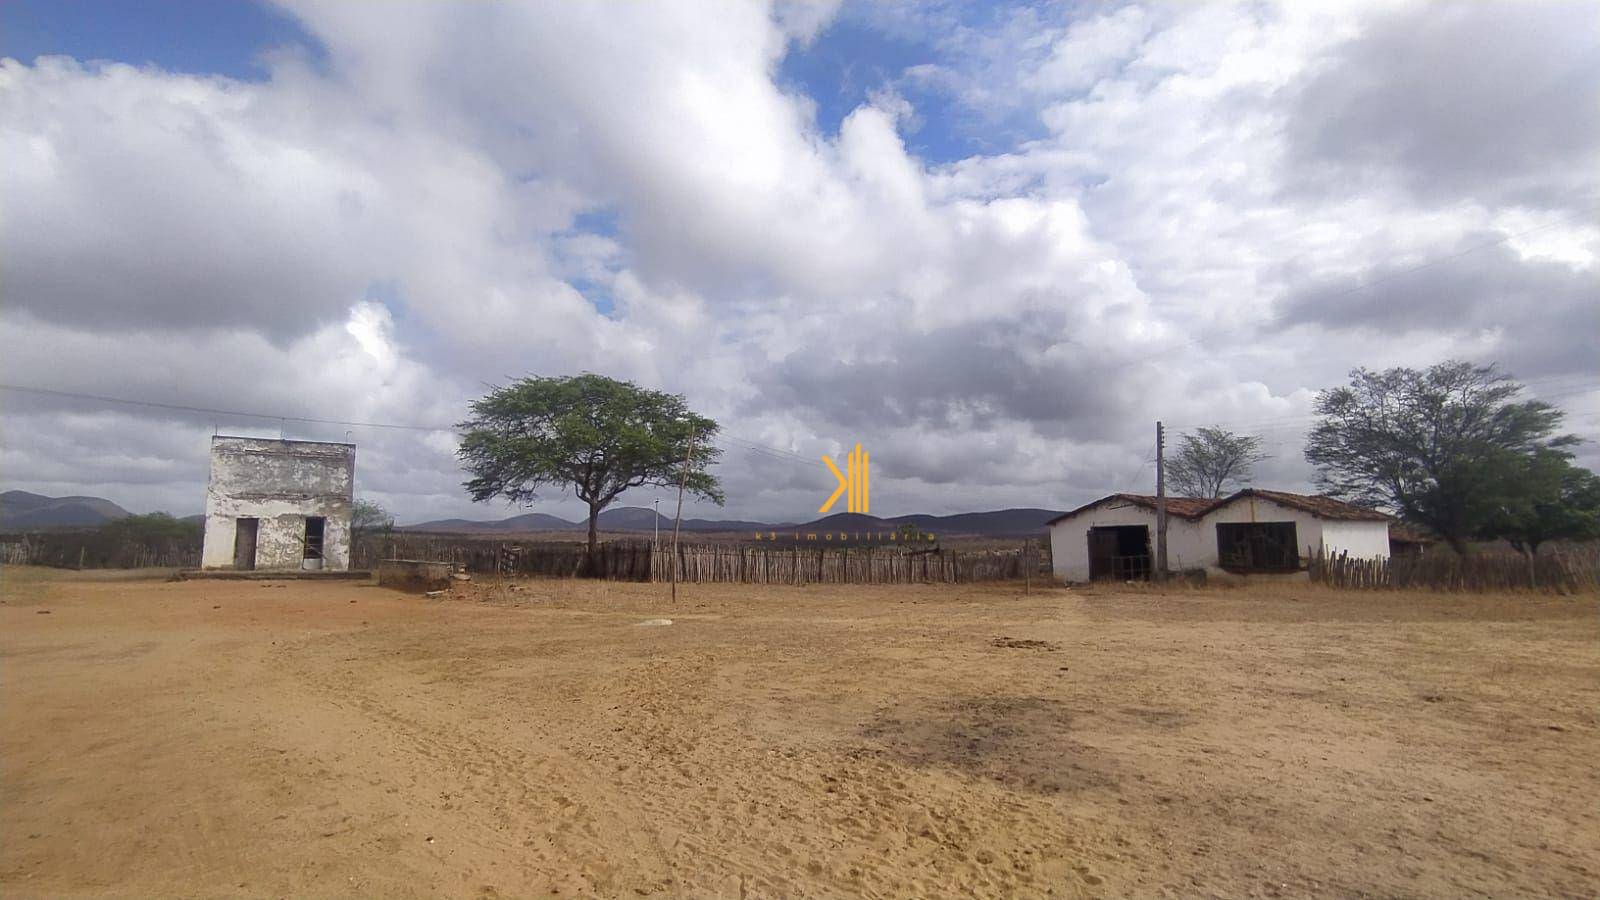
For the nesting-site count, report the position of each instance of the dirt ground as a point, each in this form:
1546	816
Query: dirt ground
214	739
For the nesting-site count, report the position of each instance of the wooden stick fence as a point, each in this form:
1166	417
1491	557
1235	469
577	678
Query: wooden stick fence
1559	569
91	550
615	560
635	561
839	565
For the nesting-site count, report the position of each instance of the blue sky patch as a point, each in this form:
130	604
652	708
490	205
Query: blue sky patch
201	37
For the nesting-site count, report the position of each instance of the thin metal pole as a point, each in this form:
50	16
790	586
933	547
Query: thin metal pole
1161	503
677	521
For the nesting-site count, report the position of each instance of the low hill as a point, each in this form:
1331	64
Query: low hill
631	518
623	518
524	522
847	522
22	510
997	523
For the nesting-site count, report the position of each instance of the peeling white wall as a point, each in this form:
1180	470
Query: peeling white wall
280	483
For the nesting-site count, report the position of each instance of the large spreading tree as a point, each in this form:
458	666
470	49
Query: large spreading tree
1450	447
594	435
1210	460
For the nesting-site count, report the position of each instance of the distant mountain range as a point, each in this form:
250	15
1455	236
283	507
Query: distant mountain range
998	523
20	510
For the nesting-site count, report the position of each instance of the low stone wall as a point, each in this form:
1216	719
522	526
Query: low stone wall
415	574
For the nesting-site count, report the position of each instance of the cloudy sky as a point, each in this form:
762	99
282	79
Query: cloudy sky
992	244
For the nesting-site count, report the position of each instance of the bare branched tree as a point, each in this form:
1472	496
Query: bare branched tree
1211	460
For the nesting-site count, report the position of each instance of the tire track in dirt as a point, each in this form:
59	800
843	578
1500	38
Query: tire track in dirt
802	810
509	790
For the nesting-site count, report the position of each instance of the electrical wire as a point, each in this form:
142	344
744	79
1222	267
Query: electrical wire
212	411
764	450
1148	459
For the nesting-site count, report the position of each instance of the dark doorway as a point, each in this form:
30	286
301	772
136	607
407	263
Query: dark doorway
1120	552
313	542
244	543
1258	547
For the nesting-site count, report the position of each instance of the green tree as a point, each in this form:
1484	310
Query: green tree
592	434
1211	460
151	529
1559	501
369	517
1448	447
121	542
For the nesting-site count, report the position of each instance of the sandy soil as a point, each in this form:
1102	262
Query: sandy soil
248	739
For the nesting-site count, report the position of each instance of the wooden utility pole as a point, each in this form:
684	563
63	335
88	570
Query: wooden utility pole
1027	567
677	522
1161	503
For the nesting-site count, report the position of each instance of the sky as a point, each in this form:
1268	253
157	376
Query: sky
993	244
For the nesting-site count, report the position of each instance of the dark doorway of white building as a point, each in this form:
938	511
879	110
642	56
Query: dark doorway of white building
1120	552
311	558
244	542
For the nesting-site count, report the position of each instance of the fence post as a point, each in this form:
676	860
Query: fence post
1027	583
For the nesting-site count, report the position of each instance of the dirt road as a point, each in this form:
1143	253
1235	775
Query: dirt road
291	739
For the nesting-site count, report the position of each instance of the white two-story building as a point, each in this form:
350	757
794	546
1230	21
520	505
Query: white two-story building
278	505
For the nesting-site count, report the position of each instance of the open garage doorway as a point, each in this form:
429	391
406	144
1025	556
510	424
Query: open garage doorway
1119	552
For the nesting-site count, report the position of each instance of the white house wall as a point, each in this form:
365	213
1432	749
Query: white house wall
1193	544
1069	539
1362	540
280	483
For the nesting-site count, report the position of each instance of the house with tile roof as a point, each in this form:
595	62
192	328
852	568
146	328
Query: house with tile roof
1251	533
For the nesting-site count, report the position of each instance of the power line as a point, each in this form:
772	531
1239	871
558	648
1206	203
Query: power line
788	453
1148	458
767	450
1588	385
752	446
212	411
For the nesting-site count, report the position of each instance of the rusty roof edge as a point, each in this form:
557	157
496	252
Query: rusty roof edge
1144	501
1318	505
